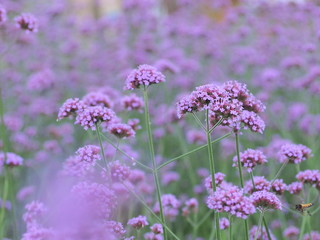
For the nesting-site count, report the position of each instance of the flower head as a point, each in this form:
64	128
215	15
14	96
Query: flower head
89	154
294	153
262	235
250	158
121	130
10	159
278	186
144	75
224	223
132	102
219	178
260	184
3	14
231	200
266	200
118	171
70	107
27	22
170	206
309	176
97	99
291	232
295	187
138	222
191	205
116	228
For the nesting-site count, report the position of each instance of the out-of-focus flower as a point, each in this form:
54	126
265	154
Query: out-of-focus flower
34	212
309	177
219	178
170	206
41	80
191	205
314	236
121	130
278	186
138	222
134	124
116	228
250	158
294	153
291	233
132	102
118	171
3	14
262	235
144	75
224	223
97	99
10	159
27	22
70	107
266	200
295	187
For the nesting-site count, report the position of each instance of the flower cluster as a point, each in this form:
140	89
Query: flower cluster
121	130
295	187
278	186
138	222
231	200
70	107
3	14
10	159
294	153
41	81
266	200
262	235
191	205
132	102
97	99
310	176
144	75
27	22
156	232
224	223
250	158
170	206
89	154
116	228
291	232
260	184
219	178
118	171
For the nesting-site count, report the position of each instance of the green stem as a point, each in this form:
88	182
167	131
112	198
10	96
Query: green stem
192	151
216	125
101	146
230	227
198	121
154	164
241	181
259	225
212	169
266	227
303	226
252	180
280	170
4	199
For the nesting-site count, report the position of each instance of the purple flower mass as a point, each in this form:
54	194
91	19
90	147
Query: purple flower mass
222	127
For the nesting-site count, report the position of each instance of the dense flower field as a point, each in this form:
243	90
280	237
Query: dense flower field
198	120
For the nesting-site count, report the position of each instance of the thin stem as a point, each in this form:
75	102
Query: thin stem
198	121
127	155
230	227
266	227
101	146
241	180
216	125
303	226
280	170
4	198
259	225
192	151
212	169
204	218
154	164
252	180
150	210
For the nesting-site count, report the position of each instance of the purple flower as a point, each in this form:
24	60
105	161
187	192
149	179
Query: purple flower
191	205
27	22
97	99
262	235
116	228
121	130
169	177
278	186
231	200
219	178
250	158
70	107
144	75
196	137
34	211
138	222
224	223
41	80
132	102
309	176
157	228
134	124
252	121
266	200
291	233
118	171
170	206
90	116
89	154
314	236
10	159
260	184
295	187
294	153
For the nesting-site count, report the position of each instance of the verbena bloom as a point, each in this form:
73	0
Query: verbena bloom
170	206
291	233
231	200
41	80
121	130
97	99
157	228
70	107
89	154
224	223
314	236
260	184
250	158
132	102
116	228
144	75
136	176
118	171
134	124
152	236
294	153
309	177
278	186
10	159
38	233
90	116
3	14
196	137
138	222
34	211
262	235
191	205
266	200
27	22
295	187
219	178
169	177
252	121
97	197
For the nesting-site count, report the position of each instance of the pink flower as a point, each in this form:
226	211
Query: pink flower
118	171
121	130
157	228
170	206
231	200
278	186
294	153
262	235
27	22
314	236
138	222
291	232
309	177
295	187
191	205
3	14
97	99
70	107
266	200
90	116
144	75
252	121
132	102
116	228
219	178
34	211
89	154
250	158
224	223
10	159
41	80
260	184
